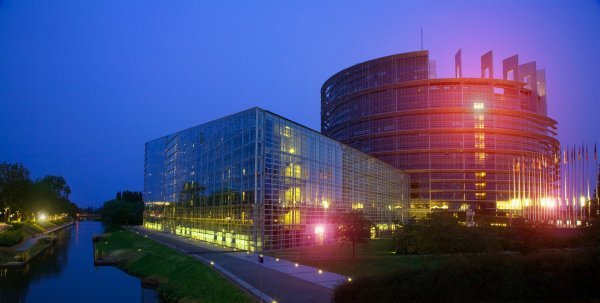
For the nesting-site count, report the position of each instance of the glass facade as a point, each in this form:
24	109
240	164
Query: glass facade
256	181
458	138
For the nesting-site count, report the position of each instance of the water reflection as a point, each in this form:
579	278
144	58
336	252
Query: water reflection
66	273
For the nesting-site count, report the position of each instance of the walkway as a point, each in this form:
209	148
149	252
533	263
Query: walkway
274	280
30	242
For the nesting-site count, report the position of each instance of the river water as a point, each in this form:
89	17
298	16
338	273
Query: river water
66	273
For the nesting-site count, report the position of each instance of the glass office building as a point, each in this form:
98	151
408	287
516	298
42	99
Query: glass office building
463	141
256	181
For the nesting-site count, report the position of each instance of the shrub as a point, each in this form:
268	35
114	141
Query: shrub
11	237
556	276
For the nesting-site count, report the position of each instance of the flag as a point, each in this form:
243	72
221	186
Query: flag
595	152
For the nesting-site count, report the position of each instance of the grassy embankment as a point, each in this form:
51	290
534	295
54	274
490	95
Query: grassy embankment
373	258
181	278
20	231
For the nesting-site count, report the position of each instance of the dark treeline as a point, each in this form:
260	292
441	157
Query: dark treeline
131	196
24	199
126	208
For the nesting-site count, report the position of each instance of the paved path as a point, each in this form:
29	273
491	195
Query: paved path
275	280
30	242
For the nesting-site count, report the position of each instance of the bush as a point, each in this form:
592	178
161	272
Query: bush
556	276
11	237
441	233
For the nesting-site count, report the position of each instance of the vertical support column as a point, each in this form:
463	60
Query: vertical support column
487	66
510	68
528	75
541	90
458	64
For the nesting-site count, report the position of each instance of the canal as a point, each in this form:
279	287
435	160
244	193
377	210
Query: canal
65	272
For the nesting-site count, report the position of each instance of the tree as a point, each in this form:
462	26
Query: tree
353	228
14	188
51	194
131	196
123	212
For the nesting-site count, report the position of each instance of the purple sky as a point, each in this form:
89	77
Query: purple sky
83	84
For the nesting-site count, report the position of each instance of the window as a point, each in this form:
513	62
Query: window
510	75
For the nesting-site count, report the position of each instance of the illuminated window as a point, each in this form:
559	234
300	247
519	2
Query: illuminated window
286	132
478	105
293	171
480	196
292	194
357	206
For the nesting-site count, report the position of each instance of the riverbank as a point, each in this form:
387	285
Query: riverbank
180	278
65	272
37	241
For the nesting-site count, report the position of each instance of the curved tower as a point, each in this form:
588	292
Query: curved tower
462	140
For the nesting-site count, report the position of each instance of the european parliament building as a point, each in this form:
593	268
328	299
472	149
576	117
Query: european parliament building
460	139
257	181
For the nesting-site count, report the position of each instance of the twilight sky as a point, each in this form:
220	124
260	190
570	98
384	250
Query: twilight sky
83	84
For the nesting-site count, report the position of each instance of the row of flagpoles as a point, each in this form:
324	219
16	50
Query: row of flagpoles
546	188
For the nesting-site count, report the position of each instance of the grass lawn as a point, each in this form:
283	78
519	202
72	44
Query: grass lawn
182	278
19	231
15	232
373	258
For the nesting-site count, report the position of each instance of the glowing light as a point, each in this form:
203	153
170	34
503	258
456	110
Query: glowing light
547	202
320	271
582	201
212	263
42	217
296	264
357	205
292	150
349	279
319	229
277	259
325	204
478	105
